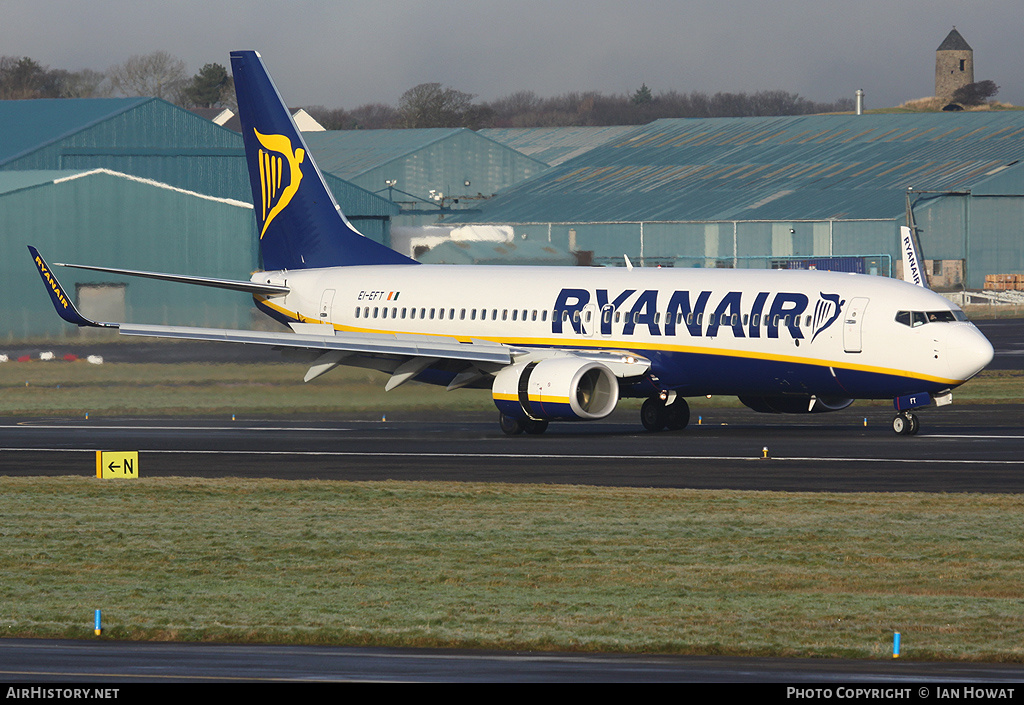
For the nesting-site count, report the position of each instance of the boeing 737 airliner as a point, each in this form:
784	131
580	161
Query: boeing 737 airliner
565	343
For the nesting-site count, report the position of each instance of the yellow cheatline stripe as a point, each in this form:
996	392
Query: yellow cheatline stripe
298	317
548	399
608	344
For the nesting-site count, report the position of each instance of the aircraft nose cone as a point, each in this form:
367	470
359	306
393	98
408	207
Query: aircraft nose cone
968	353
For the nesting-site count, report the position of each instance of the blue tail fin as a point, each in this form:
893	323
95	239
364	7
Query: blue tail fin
300	224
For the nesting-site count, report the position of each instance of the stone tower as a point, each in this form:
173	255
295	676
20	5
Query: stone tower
954	65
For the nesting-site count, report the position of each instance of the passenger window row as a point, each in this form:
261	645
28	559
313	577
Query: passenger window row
441	314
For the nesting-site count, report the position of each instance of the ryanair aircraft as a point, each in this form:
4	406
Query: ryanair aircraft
565	343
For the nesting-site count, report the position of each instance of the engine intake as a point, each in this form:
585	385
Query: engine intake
556	388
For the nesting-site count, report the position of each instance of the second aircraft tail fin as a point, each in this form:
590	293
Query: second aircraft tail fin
912	271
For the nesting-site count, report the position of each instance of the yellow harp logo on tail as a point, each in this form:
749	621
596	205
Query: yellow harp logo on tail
278	187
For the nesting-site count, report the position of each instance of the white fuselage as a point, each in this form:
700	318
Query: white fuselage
706	331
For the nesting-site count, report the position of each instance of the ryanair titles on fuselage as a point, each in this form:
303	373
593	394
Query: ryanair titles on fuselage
741	313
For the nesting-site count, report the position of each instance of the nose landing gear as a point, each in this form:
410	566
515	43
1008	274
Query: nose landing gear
905	423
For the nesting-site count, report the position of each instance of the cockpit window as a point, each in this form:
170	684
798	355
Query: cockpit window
919	318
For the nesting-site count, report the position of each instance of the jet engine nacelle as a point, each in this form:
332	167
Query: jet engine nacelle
556	388
795	404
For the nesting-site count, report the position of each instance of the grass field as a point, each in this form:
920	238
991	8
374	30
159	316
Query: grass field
515	566
77	388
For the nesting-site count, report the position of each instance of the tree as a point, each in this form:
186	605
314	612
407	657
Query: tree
375	116
974	93
159	74
433	105
210	88
23	78
642	96
372	116
86	83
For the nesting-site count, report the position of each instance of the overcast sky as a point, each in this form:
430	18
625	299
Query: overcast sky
346	54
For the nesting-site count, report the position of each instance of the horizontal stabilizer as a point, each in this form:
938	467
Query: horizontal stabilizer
232	284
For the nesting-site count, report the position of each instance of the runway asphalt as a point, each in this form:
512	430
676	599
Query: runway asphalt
123	664
959	449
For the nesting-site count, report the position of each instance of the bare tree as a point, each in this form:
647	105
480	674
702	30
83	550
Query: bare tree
87	83
515	104
375	116
159	74
372	116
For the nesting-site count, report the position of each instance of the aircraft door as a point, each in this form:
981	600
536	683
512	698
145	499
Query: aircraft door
852	325
590	320
605	322
326	303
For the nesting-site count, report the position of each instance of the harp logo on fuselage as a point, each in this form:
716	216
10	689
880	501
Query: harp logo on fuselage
766	315
280	175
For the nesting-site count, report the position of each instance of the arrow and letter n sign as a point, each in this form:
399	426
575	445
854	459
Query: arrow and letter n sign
117	463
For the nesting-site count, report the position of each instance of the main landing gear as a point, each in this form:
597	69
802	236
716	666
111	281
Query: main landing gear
512	426
656	416
905	423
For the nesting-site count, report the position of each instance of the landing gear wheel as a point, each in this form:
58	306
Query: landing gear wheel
510	425
678	415
535	427
905	423
654	414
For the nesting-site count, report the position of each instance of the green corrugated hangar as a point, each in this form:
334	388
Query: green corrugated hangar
136	183
554	145
154	139
423	170
757	192
110	219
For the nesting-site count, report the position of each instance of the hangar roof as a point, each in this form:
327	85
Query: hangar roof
769	168
554	145
349	153
148	137
29	124
12	181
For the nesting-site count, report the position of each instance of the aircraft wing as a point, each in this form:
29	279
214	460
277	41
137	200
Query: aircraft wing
410	354
363	343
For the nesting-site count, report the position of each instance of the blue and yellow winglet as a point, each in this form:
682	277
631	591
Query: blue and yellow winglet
61	301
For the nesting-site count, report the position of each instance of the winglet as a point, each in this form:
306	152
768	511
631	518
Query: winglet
61	301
